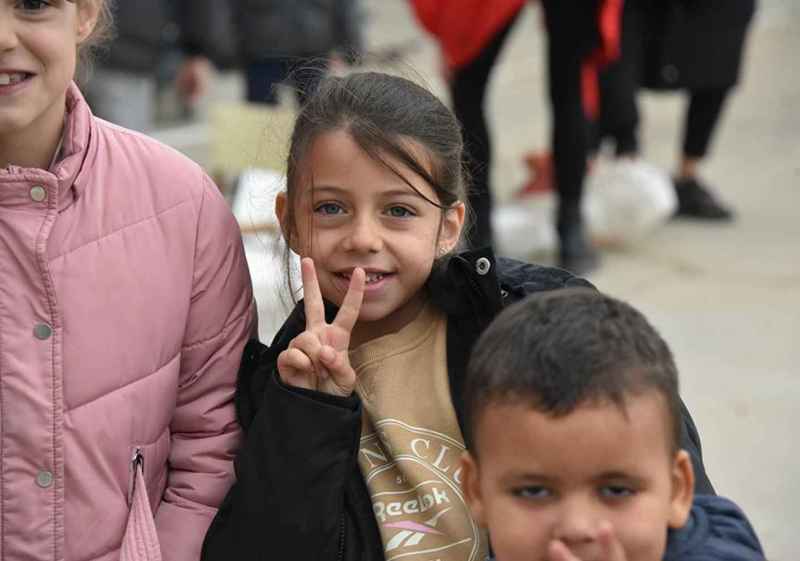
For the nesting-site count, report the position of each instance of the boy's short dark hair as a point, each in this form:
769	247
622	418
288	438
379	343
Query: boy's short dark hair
561	349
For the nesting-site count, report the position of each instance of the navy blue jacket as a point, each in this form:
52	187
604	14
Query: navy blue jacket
717	530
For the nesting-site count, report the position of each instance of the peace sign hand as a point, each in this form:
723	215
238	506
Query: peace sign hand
317	359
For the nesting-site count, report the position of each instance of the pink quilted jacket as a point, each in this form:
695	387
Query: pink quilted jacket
125	303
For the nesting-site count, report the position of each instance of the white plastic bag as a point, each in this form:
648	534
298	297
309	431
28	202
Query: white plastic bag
625	200
523	228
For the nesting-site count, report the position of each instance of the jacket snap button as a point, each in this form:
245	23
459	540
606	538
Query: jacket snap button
483	265
38	193
670	73
44	479
42	331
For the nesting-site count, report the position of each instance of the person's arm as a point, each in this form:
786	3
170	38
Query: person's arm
204	431
299	453
301	448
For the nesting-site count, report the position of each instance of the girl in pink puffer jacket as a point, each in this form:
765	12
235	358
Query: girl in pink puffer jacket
124	306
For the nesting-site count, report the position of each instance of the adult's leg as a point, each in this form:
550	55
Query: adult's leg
468	93
702	117
619	111
570	36
261	77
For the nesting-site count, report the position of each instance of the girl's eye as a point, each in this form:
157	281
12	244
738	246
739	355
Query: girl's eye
616	491
399	212
32	5
329	209
533	492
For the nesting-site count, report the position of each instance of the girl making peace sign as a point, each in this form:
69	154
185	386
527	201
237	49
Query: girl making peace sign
354	419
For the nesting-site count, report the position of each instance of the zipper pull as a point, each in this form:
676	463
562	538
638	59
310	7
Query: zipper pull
137	463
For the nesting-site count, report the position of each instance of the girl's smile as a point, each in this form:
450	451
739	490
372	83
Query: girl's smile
10	77
376	281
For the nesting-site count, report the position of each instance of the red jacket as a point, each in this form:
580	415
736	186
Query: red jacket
464	27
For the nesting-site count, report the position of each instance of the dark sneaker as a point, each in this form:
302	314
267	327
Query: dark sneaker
697	201
576	254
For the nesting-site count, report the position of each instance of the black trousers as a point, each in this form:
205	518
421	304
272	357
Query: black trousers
619	85
468	94
571	36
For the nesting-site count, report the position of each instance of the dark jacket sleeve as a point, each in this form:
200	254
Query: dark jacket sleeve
717	530
299	451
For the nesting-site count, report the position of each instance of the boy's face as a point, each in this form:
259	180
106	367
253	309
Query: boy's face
541	479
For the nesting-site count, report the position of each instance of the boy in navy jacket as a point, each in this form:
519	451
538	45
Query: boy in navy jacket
573	424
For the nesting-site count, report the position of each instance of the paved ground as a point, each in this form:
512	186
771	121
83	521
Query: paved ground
727	298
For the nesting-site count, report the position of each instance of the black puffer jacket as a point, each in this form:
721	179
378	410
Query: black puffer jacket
296	28
146	29
299	492
693	44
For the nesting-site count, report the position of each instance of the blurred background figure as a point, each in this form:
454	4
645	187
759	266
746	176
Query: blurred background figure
672	45
471	34
582	36
158	41
294	41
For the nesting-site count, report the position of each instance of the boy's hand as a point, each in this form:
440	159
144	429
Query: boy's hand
611	548
317	359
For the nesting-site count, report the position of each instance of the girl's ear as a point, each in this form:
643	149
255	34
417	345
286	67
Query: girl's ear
452	224
682	490
471	486
88	12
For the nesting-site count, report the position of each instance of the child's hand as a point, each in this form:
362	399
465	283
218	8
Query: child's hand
317	359
611	548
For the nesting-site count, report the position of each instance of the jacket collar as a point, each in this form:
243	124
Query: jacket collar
74	150
466	284
63	179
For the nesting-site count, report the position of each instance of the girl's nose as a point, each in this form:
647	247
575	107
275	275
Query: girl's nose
8	35
364	236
